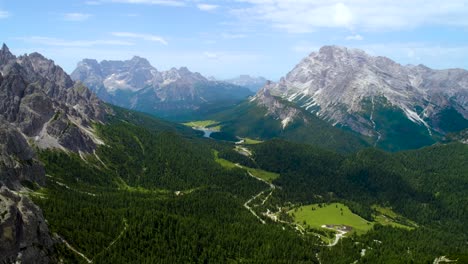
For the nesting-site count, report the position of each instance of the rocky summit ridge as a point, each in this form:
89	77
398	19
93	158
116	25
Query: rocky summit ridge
135	84
348	87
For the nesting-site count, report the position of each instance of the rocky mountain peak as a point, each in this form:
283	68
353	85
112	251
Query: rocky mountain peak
46	106
37	63
183	74
137	61
136	84
92	63
184	70
5	54
347	87
5	48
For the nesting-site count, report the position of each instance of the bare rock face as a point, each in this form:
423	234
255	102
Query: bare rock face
348	87
24	235
135	84
40	105
17	160
43	102
276	108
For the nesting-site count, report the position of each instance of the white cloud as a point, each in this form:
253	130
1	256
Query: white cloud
151	2
300	16
207	7
415	53
4	14
354	37
76	16
73	43
233	36
147	37
211	55
342	15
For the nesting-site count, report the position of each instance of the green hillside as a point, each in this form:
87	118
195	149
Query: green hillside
249	120
160	192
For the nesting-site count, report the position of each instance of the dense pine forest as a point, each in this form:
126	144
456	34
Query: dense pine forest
155	193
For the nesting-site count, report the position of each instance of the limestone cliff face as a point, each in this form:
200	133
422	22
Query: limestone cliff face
40	106
46	106
347	87
18	161
24	235
276	108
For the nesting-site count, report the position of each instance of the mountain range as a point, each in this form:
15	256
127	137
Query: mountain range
175	94
394	106
82	181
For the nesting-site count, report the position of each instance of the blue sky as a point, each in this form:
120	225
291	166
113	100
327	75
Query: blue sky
232	37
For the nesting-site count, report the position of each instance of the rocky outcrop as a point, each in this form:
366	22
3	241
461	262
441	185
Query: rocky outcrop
135	84
40	105
17	160
347	87
276	108
46	105
24	235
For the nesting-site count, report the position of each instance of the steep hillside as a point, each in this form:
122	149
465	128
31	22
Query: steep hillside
266	116
118	186
40	107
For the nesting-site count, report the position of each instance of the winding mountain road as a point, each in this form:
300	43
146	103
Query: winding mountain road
271	189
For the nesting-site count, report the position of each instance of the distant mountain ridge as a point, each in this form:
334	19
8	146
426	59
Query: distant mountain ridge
253	83
135	84
376	96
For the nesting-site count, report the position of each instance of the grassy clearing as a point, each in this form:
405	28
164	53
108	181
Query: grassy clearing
123	186
262	174
386	216
225	163
249	141
211	124
315	216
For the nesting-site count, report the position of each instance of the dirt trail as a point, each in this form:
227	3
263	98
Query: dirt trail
107	248
339	235
443	259
73	249
271	189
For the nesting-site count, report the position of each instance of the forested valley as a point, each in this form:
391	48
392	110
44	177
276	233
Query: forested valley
154	193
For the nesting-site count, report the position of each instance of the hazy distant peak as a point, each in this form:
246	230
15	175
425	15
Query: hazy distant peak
253	83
